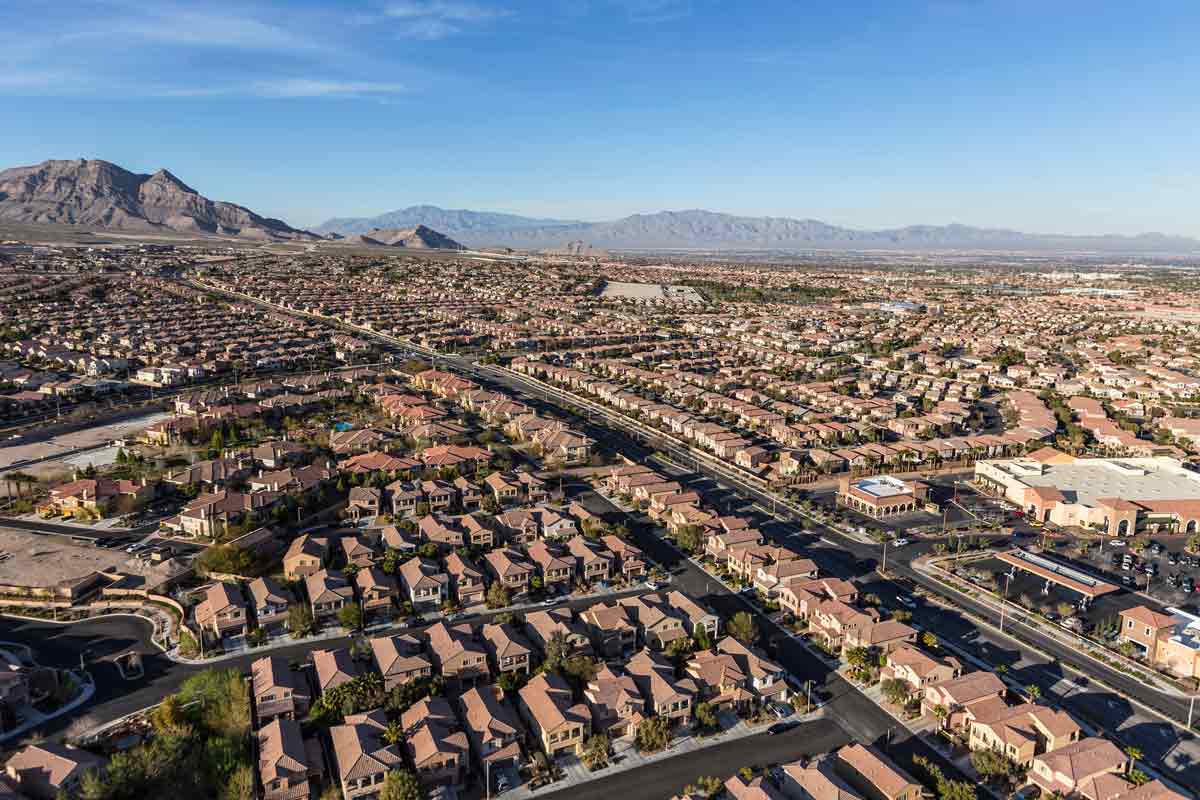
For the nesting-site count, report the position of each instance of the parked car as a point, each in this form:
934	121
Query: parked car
783	727
502	783
1117	543
901	542
906	601
780	710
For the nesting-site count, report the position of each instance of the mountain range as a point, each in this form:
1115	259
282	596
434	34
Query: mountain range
708	230
93	192
99	193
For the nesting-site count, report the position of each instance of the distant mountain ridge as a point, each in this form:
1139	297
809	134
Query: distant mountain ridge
707	230
456	220
100	193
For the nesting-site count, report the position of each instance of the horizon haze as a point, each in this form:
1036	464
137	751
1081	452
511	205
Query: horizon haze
871	117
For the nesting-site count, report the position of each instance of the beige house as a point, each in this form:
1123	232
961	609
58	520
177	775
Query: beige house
284	761
361	757
558	723
918	669
508	650
456	653
492	727
875	775
278	691
223	611
43	771
1023	732
1091	768
400	659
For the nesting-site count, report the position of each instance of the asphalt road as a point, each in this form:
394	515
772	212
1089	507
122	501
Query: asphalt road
665	778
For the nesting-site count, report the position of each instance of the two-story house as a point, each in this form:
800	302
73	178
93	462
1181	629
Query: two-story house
508	650
361	757
278	691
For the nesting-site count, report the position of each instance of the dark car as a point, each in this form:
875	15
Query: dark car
782	727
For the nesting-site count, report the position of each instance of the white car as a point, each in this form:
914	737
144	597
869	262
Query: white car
900	542
652	586
1117	543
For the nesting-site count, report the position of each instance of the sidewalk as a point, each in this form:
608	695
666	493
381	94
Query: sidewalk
626	755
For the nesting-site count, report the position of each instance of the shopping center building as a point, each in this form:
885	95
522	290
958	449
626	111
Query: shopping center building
1120	496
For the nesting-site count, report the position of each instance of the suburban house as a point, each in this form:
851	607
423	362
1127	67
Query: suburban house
271	603
456	653
361	757
305	556
616	703
328	593
284	760
223	612
436	745
466	581
557	722
423	582
492	727
1090	768
508	650
278	691
875	775
400	659
47	770
918	669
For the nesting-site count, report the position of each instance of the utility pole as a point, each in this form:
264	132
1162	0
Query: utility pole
1004	599
883	569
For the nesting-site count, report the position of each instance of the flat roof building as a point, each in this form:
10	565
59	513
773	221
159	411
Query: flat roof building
1119	496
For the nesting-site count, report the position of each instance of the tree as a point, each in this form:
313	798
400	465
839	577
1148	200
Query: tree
497	596
300	621
991	764
1034	691
706	716
929	640
394	732
653	734
858	657
169	718
895	690
1137	777
688	539
741	627
557	652
1134	753
401	784
595	752
706	786
351	616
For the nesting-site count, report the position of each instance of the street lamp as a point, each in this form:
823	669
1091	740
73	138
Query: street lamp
1004	598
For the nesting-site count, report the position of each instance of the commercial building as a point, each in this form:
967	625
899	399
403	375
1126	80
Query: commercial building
882	495
1120	496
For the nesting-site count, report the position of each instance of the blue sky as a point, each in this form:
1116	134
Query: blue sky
1075	117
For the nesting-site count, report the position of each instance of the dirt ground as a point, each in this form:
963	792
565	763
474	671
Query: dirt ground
10	457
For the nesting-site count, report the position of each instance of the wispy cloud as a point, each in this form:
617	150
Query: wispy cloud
437	19
653	11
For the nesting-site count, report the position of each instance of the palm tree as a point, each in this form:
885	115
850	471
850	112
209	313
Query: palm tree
394	732
1134	754
1034	691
